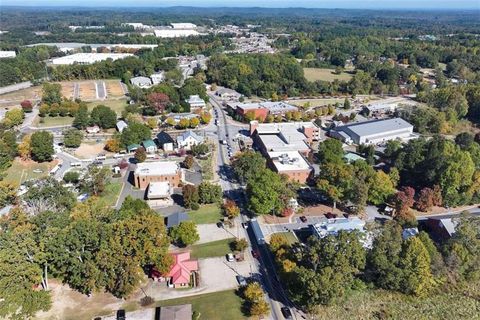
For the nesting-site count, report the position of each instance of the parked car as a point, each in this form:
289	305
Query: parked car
287	314
121	314
241	281
303	219
244	225
330	215
230	257
255	254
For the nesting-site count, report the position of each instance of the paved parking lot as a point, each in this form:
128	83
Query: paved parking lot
210	232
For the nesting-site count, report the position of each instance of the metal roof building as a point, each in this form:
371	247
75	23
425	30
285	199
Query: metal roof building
376	131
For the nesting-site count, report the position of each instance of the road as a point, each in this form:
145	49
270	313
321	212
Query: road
265	265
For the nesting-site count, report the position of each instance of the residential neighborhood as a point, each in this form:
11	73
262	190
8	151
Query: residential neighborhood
191	163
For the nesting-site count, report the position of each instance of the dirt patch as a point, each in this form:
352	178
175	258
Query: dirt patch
14	98
89	151
114	89
88	90
314	211
67	89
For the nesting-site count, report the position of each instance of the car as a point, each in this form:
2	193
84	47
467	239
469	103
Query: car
330	215
255	254
303	219
220	224
230	257
287	314
241	281
121	314
244	225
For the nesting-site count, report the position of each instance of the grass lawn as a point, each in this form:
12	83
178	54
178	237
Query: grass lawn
112	191
212	306
291	239
207	167
209	213
316	102
325	74
117	105
52	121
211	249
21	171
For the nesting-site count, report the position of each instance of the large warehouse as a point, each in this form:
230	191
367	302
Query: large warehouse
89	58
374	132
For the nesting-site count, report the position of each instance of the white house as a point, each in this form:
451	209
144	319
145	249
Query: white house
157	77
142	82
121	125
189	139
196	102
150	146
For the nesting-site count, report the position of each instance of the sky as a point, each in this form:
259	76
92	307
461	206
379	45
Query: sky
354	4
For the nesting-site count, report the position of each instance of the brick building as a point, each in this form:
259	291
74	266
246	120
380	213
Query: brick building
159	171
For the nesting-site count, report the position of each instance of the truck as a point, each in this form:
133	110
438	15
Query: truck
257	231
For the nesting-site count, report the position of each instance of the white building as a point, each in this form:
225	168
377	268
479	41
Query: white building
7	54
157	77
121	125
175	33
159	190
189	139
374	132
89	58
183	25
141	82
136	25
334	226
196	102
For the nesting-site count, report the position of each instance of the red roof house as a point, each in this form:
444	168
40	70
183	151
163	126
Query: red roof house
181	270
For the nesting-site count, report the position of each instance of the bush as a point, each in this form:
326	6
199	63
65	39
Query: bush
146	301
71	177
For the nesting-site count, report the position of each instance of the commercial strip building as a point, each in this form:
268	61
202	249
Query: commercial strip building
374	132
158	171
260	110
88	58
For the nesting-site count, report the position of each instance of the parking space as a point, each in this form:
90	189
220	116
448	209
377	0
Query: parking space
211	232
216	274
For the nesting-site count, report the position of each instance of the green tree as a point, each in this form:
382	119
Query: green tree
330	151
415	263
71	177
8	193
104	117
51	93
49	193
96	180
42	146
247	165
381	188
81	120
135	133
209	193
72	138
14	117
190	196
346	104
267	193
185	233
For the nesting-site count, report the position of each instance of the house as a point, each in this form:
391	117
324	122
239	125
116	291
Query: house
181	272
141	82
228	94
189	139
157	171
174	219
374	132
150	146
121	125
159	190
93	129
333	226
165	141
195	102
133	147
179	312
440	229
157	77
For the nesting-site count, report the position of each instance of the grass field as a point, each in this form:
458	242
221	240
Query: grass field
212	306
316	102
31	93
314	74
21	171
52	121
209	213
117	105
111	193
207	167
217	248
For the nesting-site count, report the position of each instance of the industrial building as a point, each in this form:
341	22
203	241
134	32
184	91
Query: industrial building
260	110
176	30
88	58
374	132
158	171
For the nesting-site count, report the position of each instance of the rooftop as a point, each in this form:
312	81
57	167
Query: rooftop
282	137
87	58
273	107
189	133
333	226
175	218
159	189
156	168
148	143
180	312
288	161
375	127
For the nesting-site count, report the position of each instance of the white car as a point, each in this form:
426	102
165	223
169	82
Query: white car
230	257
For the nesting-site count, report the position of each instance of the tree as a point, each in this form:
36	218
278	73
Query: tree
194	122
183	123
188	162
140	154
240	244
336	181
404	200
464	140
253	292
267	193
51	93
158	101
72	138
26	105
25	148
200	149
381	188
425	200
209	193
71	177
346	104
96	179
205	117
152	123
185	233
247	165
135	133
81	120
112	145
104	117
330	150
14	117
170	121
8	193
190	197
259	308
278	241
230	209
42	146
49	194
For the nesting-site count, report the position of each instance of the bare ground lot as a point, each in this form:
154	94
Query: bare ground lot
14	98
325	74
89	150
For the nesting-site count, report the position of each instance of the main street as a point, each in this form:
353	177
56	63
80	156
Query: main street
265	266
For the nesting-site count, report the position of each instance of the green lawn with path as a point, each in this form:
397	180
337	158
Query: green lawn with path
209	213
48	121
212	249
111	193
21	171
117	105
211	306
